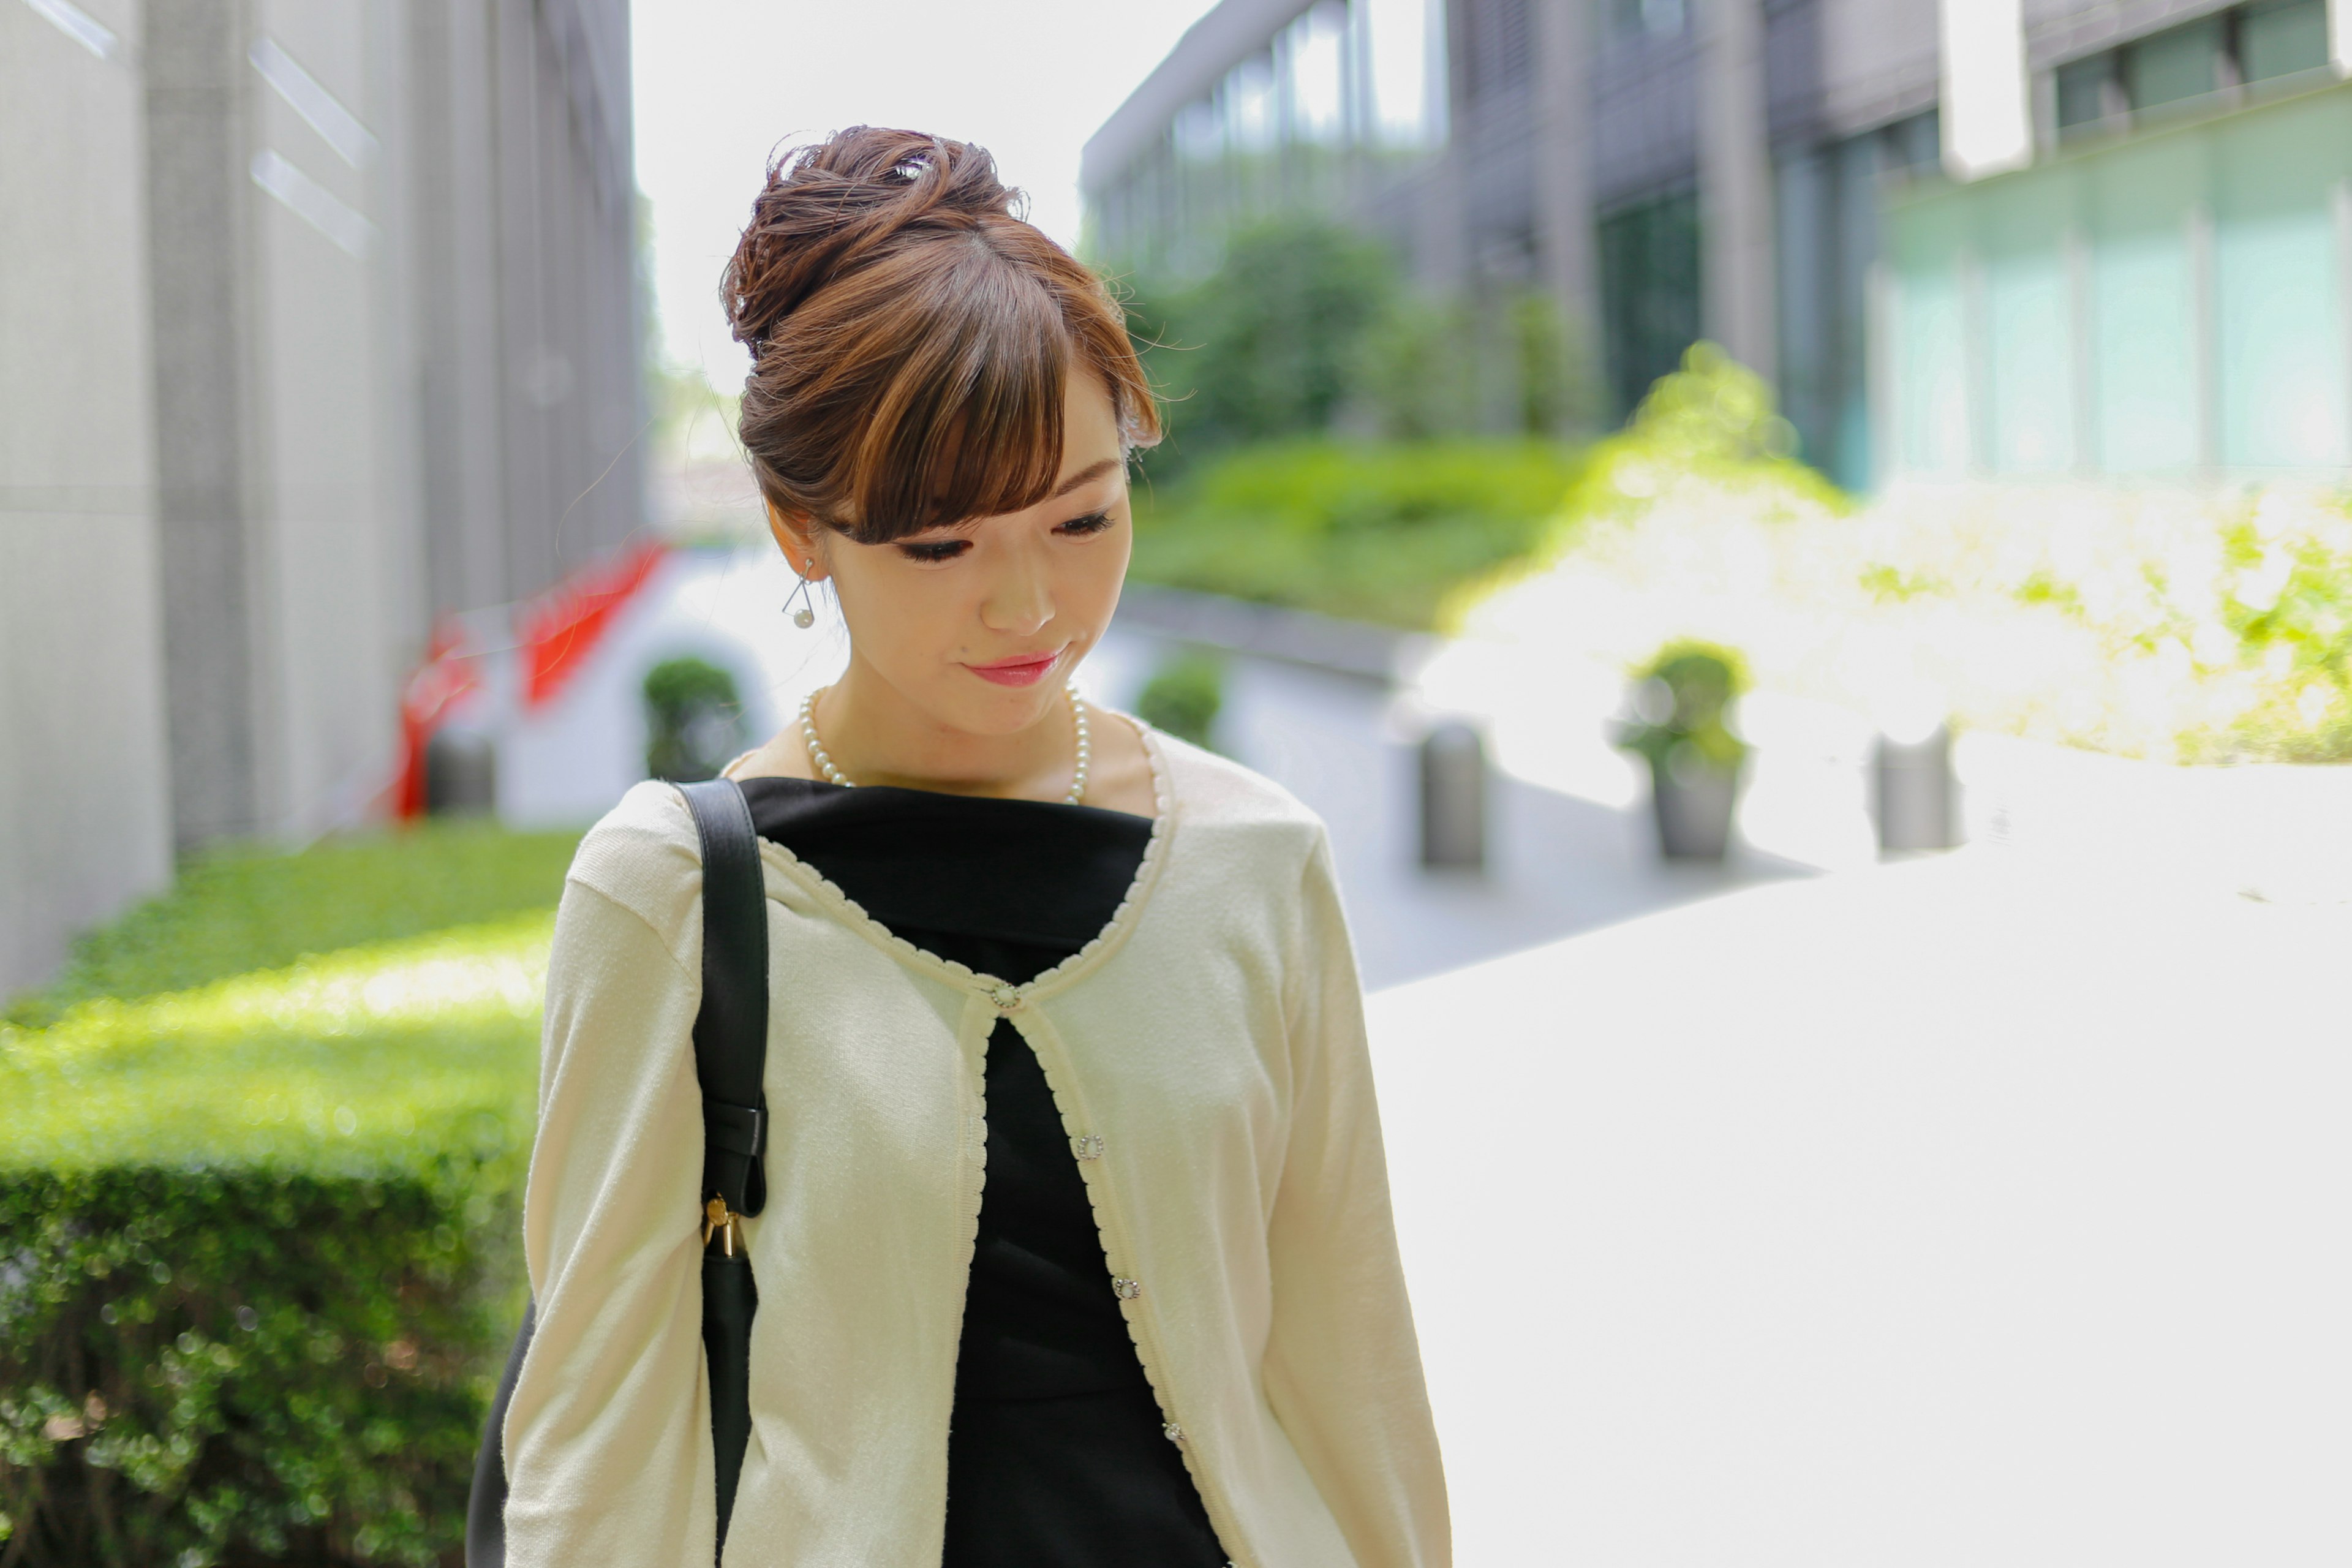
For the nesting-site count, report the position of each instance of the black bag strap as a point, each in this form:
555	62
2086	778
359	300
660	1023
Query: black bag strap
730	1058
731	1061
731	1032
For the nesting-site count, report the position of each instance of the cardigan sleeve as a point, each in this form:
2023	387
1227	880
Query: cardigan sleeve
1342	1366
608	1446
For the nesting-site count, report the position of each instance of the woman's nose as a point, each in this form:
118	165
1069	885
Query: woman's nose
1019	601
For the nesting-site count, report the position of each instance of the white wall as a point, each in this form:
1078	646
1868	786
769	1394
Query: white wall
84	801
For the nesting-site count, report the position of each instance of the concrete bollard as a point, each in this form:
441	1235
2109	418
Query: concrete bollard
1454	798
1914	793
461	772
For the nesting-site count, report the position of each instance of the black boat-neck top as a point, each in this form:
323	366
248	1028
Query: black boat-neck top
1056	1457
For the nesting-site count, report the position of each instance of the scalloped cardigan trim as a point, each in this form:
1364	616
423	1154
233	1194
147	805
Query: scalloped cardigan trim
1206	1053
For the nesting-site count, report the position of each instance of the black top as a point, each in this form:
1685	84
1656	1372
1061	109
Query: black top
1056	1457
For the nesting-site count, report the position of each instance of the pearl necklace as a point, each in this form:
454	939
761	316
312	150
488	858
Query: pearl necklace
824	762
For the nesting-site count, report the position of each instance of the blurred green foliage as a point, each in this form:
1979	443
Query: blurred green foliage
260	1231
2287	599
1321	449
1373	531
1183	697
693	719
1307	328
243	908
2210	626
1272	343
1712	422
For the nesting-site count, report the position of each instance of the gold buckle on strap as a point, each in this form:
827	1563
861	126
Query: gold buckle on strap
719	1221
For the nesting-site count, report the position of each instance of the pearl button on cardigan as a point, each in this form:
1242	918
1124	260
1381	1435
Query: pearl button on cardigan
1207	1054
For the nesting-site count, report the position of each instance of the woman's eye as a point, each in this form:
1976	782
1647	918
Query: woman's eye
1093	522
935	550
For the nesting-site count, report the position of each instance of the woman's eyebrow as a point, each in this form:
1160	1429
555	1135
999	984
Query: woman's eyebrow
1085	476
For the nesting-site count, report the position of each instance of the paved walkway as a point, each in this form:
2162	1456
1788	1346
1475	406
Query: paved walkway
1960	1211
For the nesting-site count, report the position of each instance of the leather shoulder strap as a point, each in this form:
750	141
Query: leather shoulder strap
731	1032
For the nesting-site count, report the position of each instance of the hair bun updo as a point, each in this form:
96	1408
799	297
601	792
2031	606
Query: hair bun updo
910	337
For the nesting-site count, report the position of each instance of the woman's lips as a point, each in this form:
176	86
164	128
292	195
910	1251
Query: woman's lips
1026	670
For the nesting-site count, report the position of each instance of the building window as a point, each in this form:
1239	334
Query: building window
1646	18
1498	39
2176	64
2281	37
1649	293
2087	92
2263	41
1912	146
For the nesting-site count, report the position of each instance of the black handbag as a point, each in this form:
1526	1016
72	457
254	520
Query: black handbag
730	1058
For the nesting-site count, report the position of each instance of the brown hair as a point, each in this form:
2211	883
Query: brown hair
911	338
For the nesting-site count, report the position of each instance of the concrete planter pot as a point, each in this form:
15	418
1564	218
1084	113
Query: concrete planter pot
1694	806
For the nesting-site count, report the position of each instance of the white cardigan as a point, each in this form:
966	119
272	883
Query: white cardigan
1207	1053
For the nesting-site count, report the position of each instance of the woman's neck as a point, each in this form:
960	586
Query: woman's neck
875	736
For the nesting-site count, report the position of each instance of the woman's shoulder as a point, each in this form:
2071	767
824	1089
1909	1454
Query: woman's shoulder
1210	790
644	855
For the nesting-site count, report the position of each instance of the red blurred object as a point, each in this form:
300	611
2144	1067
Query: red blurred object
563	626
446	674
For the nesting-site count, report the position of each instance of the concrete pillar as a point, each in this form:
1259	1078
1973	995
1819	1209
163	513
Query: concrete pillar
196	186
459	367
1734	186
1565	37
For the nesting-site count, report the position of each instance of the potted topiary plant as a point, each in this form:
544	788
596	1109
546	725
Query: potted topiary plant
1182	698
693	719
1680	727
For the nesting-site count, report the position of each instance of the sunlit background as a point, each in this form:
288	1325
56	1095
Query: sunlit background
1801	547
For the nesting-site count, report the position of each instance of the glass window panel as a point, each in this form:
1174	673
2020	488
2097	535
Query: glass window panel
2277	325
1916	143
2171	66
1250	105
2030	416
2280	37
1316	60
1649	293
2083	91
1930	361
1406	56
2143	318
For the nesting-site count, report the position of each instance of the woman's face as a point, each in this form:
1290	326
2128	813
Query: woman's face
977	626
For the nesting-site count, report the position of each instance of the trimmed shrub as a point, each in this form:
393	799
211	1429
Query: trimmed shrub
693	719
1682	701
1182	698
258	1241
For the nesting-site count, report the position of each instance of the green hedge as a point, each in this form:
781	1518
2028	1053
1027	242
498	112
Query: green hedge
257	1236
1374	532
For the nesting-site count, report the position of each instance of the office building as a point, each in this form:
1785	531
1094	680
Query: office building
2091	237
318	322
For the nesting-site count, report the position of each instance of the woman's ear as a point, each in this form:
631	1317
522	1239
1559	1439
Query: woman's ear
797	537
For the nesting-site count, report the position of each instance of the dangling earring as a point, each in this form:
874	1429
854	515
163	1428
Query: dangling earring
805	616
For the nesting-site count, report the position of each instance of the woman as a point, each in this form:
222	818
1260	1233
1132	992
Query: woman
1078	1250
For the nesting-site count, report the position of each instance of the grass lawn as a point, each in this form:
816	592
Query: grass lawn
336	1005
